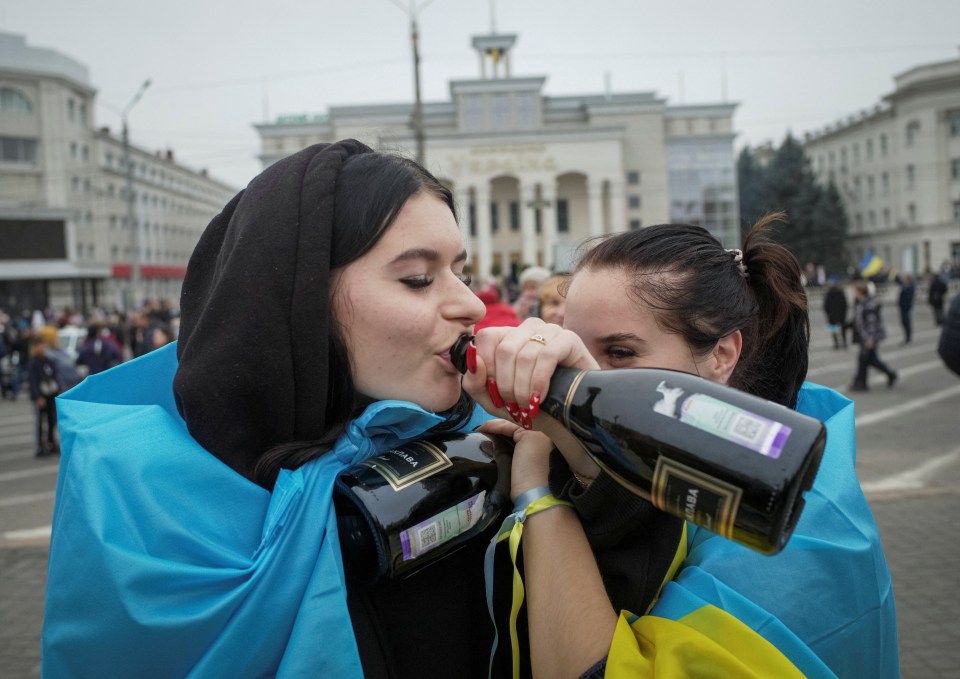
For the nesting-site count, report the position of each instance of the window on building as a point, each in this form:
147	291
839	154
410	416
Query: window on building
858	221
633	202
633	177
856	154
883	144
886	217
500	118
911	175
885	183
472	218
114	252
494	217
18	150
75	184
870	186
872	219
83	112
13	102
113	221
86	186
912	130
843	156
956	210
514	215
955	168
832	157
635	224
912	213
869	146
85	153
73	149
953	120
563	216
71	110
525	109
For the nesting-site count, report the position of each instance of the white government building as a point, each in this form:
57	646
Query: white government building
897	167
65	239
547	172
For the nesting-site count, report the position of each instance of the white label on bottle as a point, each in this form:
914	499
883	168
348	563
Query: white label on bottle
735	424
445	526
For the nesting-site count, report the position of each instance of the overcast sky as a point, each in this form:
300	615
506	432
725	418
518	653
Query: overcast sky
219	66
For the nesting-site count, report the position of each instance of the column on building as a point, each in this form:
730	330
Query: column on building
595	206
548	196
528	233
618	207
481	195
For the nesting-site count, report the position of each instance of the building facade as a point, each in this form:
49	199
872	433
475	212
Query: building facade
65	236
897	167
533	175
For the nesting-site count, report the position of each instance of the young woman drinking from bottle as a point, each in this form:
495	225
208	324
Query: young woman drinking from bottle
194	530
617	588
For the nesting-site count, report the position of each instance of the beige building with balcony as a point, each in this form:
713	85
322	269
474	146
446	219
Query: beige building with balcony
897	167
65	236
535	175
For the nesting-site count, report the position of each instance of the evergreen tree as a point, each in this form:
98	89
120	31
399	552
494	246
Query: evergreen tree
817	222
831	225
751	183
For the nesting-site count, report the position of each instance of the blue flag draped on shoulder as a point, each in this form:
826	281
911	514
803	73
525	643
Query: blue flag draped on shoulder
166	562
823	607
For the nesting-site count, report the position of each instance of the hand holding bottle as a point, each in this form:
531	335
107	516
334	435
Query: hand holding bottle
512	368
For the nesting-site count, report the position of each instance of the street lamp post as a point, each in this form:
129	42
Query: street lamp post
133	299
418	134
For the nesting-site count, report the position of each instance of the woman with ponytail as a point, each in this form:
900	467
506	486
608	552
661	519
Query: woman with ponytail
615	587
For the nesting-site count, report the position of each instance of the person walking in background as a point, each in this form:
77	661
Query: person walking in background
44	388
949	346
907	292
96	352
869	331
835	307
935	296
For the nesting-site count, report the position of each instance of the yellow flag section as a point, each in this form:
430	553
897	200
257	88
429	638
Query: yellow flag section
706	643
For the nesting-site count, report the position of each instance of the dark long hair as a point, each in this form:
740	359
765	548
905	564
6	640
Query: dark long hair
372	189
698	291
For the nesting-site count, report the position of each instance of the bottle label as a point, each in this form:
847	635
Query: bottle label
696	497
725	420
414	462
441	528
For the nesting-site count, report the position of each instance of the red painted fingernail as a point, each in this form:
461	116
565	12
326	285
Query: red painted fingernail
494	393
514	410
525	420
472	358
534	404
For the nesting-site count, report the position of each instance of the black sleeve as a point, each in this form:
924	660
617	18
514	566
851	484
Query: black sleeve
633	541
596	671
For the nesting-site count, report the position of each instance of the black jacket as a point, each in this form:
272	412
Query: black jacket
949	348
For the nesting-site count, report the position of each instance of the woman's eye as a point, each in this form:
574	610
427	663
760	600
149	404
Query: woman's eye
619	353
417	282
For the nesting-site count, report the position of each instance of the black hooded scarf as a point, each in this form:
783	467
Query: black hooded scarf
255	312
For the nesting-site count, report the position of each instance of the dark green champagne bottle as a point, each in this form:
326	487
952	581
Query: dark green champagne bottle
718	457
410	506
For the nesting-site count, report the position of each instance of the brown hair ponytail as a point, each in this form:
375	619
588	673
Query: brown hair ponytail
776	364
